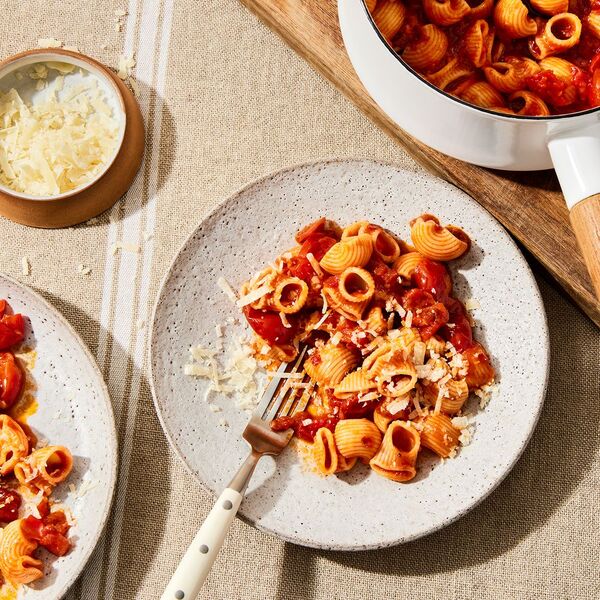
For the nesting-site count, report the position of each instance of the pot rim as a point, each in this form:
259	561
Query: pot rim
459	100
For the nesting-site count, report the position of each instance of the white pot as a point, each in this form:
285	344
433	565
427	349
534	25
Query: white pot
569	143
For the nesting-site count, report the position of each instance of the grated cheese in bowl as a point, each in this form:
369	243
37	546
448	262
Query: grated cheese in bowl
58	130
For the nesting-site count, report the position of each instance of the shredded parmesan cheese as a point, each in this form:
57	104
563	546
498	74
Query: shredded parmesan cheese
321	320
49	43
83	270
325	305
227	289
25	266
314	263
58	143
284	321
472	304
254	295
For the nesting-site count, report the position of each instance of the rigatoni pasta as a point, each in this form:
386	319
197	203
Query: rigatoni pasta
391	360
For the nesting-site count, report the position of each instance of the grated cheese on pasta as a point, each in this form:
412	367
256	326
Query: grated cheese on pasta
314	263
254	295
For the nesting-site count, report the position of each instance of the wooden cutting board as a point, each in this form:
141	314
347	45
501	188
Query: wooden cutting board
529	205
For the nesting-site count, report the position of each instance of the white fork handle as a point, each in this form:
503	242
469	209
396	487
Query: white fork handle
202	552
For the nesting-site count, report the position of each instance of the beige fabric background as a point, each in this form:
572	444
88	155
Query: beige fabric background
225	101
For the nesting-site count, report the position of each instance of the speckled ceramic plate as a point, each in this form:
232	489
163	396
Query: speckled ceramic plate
74	410
360	510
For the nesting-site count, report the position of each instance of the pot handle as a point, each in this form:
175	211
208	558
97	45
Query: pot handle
576	158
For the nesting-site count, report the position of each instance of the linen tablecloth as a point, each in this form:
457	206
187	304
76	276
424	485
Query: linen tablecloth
225	101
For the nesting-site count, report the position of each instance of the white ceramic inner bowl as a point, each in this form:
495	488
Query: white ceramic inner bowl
25	86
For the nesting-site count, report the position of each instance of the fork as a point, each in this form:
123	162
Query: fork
278	400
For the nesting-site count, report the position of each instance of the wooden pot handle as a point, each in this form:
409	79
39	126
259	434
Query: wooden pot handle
585	218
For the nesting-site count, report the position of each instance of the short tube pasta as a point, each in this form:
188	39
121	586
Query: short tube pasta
406	264
436	242
329	364
449	74
439	435
44	468
389	17
384	244
356	382
528	103
397	456
512	18
426	52
550	7
476	41
357	438
356	285
560	33
16	561
14	444
351	252
446	12
290	295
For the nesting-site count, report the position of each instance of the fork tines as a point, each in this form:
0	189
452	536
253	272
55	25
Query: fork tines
279	396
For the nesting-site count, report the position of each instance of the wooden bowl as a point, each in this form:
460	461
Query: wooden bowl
117	174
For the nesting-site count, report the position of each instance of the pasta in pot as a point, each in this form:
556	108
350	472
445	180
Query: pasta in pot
473	50
391	358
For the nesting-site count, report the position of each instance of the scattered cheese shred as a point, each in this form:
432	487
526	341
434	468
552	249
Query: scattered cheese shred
227	289
321	320
49	43
25	266
314	263
135	248
284	321
83	270
472	304
126	64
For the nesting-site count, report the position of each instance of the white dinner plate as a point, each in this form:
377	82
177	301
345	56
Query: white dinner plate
74	410
359	510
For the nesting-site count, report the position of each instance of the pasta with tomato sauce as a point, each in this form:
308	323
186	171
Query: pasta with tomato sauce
28	516
391	358
498	53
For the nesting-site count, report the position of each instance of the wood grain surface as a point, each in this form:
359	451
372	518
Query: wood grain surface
529	205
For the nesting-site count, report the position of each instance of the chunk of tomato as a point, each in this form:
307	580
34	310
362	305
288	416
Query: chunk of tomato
49	532
317	245
267	324
428	316
300	267
458	330
11	380
12	329
10	500
433	276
